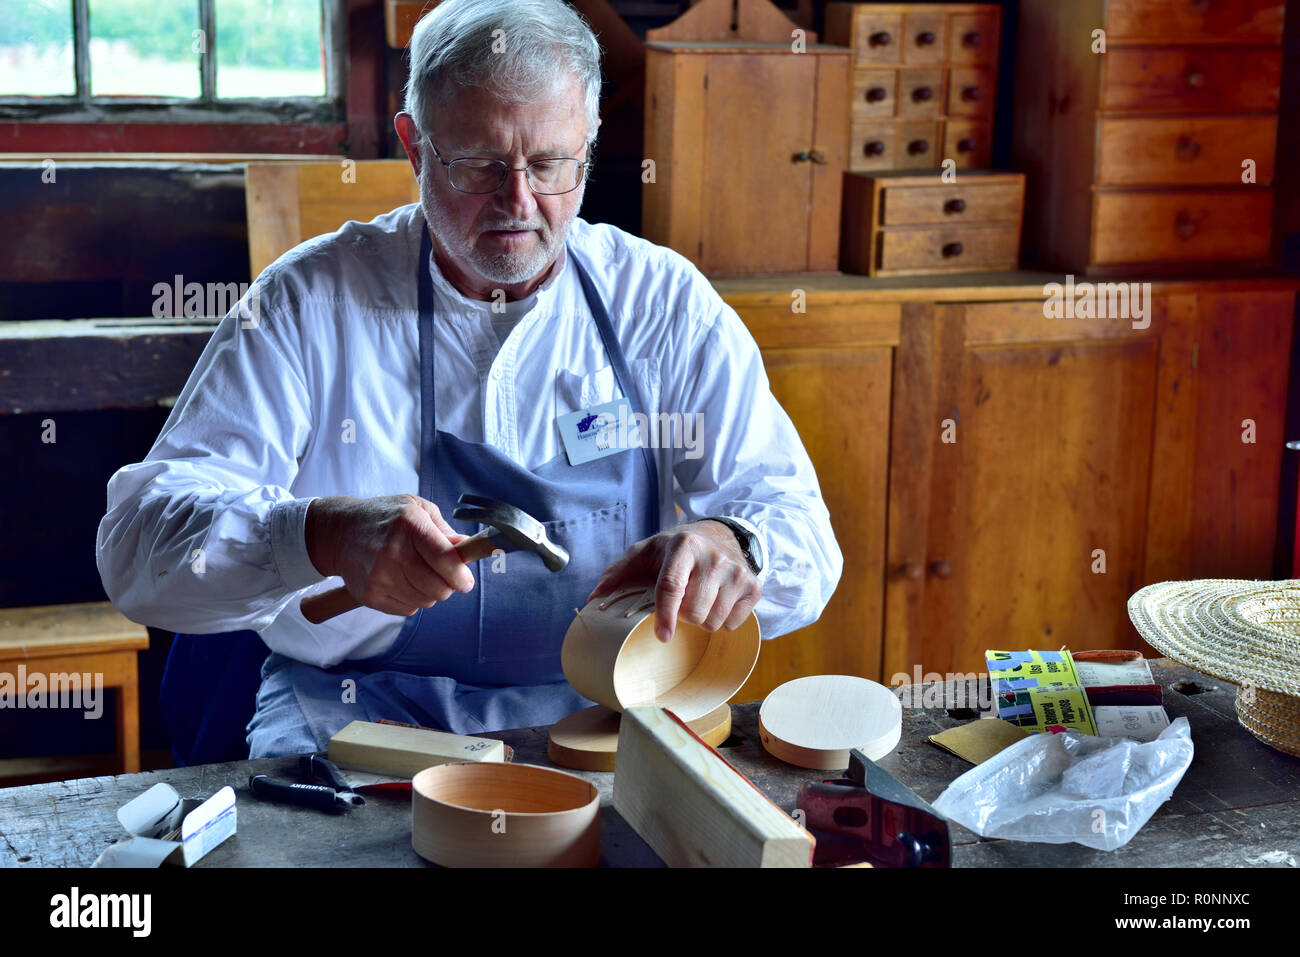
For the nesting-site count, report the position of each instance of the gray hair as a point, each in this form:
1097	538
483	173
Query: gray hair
516	48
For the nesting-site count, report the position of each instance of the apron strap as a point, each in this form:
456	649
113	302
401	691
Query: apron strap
428	416
623	374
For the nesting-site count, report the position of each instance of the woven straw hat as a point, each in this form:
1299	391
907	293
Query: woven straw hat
1273	718
1243	631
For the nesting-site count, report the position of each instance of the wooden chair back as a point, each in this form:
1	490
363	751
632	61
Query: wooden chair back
292	202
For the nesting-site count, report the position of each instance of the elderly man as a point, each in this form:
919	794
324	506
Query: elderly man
442	348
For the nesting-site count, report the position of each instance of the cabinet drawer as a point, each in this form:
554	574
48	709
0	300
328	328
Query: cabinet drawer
948	249
972	91
1137	227
1196	21
1191	151
920	92
968	143
973	38
1191	79
877	37
951	205
918	144
872	146
874	94
925	37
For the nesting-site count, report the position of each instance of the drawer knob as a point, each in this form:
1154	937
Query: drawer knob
925	39
951	250
971	38
966	145
941	567
918	147
880	39
815	156
912	571
874	148
1195	79
970	94
876	94
1186	226
1188	148
954	206
922	93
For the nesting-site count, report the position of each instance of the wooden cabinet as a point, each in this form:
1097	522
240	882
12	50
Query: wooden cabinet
704	102
1009	479
1148	131
832	372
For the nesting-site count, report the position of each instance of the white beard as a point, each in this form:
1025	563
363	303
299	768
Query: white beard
504	268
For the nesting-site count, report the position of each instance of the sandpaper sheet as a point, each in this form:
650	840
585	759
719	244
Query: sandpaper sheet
977	741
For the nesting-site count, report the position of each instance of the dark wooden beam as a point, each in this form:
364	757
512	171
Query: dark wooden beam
85	364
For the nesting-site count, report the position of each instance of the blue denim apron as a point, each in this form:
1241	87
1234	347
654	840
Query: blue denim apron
488	660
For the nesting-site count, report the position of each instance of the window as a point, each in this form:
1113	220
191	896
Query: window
186	61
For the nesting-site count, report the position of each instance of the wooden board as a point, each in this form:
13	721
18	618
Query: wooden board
814	722
289	203
587	740
394	749
692	807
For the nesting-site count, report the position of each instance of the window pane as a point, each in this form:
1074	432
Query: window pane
144	48
36	48
269	48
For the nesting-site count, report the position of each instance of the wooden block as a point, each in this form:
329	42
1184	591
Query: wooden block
692	807
587	740
391	749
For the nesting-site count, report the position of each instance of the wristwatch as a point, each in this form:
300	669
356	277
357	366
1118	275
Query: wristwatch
748	542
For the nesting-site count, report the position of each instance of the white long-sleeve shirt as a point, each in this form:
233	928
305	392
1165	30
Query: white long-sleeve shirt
317	393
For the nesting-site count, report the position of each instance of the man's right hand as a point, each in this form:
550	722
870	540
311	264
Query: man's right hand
395	553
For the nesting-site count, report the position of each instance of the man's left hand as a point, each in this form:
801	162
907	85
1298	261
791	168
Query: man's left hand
700	575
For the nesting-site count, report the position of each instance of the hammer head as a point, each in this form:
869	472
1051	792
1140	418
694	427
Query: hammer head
516	529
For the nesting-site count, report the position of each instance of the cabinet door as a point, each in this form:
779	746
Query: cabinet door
836	390
1221	413
1035	439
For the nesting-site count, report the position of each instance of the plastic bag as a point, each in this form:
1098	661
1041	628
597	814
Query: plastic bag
1057	788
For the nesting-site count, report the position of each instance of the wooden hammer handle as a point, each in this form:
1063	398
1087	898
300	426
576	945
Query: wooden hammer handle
330	604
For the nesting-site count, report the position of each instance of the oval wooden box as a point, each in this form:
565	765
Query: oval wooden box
814	722
612	656
504	815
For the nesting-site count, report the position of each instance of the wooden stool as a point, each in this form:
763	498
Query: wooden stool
92	638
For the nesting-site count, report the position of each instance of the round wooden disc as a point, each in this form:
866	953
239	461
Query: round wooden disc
814	722
587	740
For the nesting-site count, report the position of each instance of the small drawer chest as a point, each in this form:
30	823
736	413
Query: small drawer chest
924	82
905	223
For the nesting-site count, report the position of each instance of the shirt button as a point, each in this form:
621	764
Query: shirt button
496	374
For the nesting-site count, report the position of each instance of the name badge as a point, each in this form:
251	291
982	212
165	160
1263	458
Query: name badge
602	430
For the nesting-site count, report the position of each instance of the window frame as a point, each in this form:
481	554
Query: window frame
83	108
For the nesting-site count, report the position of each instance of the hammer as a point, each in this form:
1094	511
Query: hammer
508	528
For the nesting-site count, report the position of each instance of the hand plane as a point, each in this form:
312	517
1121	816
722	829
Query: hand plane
870	817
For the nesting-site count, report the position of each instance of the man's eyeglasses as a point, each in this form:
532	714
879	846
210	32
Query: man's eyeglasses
546	177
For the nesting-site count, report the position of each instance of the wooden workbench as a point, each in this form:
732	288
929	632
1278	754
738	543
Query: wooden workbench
1239	801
